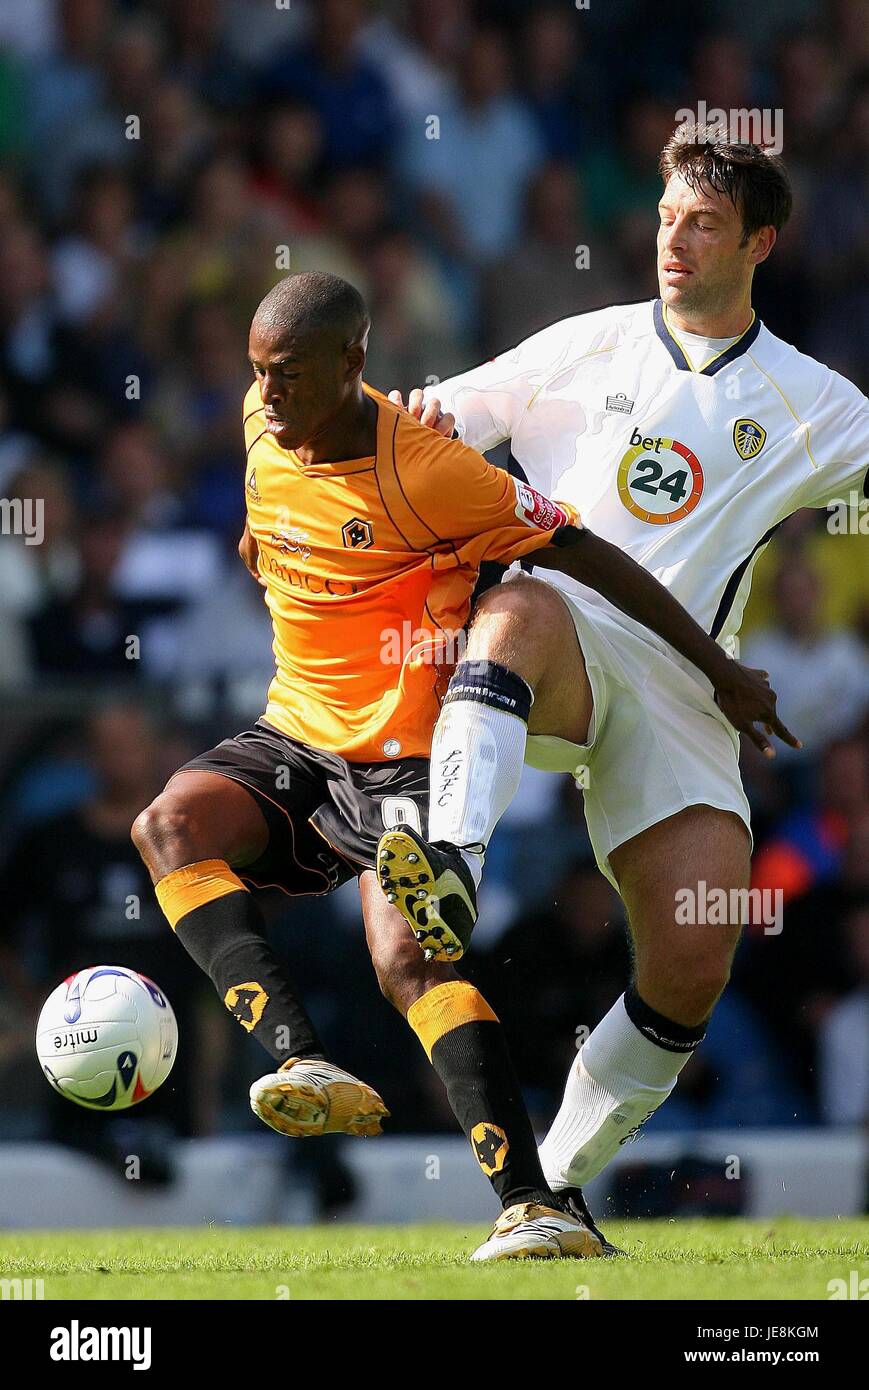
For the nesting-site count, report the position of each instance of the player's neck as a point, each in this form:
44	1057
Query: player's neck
728	322
351	433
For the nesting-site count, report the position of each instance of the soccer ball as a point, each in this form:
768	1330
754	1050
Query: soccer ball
107	1037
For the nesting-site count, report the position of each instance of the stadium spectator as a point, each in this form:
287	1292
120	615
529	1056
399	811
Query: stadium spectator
330	73
65	85
843	1039
470	170
228	245
821	673
35	354
176	139
286	157
558	82
196	409
804	88
548	276
166	556
415	332
85	636
201	56
796	976
807	846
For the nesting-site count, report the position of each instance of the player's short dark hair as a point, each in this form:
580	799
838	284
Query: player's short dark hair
319	303
756	183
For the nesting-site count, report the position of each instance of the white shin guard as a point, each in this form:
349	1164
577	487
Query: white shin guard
477	756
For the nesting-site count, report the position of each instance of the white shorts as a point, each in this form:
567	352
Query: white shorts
657	742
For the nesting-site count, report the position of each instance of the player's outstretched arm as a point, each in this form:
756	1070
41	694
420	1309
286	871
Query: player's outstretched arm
743	694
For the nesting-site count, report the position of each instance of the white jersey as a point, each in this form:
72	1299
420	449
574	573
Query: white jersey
689	471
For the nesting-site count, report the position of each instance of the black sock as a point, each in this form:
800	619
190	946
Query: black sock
673	1037
223	930
467	1048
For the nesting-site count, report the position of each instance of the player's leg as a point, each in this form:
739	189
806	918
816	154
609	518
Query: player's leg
632	1059
465	1044
523	672
194	835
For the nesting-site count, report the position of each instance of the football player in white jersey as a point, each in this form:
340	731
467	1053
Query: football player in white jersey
685	432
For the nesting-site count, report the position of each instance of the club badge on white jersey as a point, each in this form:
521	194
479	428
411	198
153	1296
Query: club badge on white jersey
696	476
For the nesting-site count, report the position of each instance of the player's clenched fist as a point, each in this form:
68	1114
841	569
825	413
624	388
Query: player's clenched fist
427	412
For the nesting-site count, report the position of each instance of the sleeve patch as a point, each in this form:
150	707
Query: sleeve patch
536	510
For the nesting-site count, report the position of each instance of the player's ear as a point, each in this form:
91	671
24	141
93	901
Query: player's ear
766	239
354	360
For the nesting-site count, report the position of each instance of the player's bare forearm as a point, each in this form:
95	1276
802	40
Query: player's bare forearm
742	693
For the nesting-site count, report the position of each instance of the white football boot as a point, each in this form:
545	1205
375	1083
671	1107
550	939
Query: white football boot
307	1096
529	1231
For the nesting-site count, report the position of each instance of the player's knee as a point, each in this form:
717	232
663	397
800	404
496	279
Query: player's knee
140	831
519	624
165	825
521	600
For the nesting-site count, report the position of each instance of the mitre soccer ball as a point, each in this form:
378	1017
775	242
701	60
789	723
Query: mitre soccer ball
107	1037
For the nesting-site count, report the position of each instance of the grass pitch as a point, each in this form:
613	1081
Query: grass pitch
788	1258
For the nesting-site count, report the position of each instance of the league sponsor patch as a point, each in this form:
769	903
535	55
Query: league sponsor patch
537	510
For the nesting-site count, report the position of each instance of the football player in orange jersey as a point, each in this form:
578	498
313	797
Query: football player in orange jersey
364	526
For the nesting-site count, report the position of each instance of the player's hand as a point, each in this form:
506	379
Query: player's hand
746	697
249	552
428	413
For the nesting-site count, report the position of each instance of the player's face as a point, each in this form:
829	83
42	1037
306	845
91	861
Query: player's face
702	264
303	382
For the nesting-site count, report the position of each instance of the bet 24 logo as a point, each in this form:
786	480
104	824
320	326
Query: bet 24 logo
659	480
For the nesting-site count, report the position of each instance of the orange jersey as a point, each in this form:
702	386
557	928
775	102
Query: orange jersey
370	564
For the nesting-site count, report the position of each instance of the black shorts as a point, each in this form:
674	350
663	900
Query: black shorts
325	815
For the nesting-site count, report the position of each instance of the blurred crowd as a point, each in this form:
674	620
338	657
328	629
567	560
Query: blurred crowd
161	165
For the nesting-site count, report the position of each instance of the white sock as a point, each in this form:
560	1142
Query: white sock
475	860
618	1080
477	756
